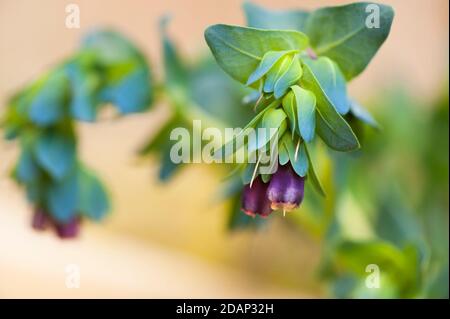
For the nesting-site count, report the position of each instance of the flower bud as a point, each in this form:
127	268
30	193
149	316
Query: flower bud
286	189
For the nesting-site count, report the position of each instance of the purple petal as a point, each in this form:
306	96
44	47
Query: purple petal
254	199
69	229
286	189
40	220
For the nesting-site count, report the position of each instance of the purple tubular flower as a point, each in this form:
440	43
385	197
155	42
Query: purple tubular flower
69	229
40	220
286	189
254	199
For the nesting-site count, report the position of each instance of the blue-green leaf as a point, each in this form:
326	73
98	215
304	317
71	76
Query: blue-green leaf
331	127
239	50
55	153
288	78
133	93
306	109
268	61
271	122
290	108
276	72
175	70
297	156
283	154
362	114
48	105
93	200
110	47
347	34
84	84
312	175
331	81
26	169
62	197
259	17
228	148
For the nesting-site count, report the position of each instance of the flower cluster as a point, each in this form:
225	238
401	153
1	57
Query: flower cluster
284	192
299	94
42	220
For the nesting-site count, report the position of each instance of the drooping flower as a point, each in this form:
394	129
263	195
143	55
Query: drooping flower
69	229
286	189
40	220
254	199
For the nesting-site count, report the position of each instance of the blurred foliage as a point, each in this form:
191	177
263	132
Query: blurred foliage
107	69
199	90
392	210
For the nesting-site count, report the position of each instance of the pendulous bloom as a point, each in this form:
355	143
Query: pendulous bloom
286	189
41	220
254	199
69	229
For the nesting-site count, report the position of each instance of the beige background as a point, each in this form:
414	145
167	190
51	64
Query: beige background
170	240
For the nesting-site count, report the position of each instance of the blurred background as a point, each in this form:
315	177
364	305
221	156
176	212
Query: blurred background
389	203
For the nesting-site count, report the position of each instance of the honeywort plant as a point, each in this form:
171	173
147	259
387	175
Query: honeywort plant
299	62
107	69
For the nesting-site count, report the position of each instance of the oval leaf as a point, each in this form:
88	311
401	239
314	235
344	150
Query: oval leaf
239	50
331	81
55	153
331	127
306	107
268	61
288	78
290	108
350	34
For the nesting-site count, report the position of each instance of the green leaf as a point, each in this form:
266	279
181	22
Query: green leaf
275	73
331	127
62	197
218	95
110	47
312	175
290	108
288	78
133	93
239	50
331	81
260	17
228	148
26	170
175	70
85	85
266	177
362	114
283	154
268	61
93	200
270	124
168	167
48	105
249	173
341	34
306	107
297	155
55	153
